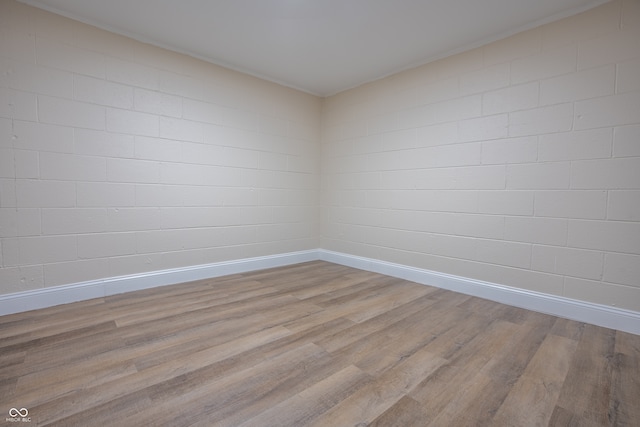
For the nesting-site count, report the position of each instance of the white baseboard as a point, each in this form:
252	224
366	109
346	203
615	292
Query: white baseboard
596	314
48	297
601	315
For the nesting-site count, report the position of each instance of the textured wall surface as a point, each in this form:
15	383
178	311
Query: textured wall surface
517	163
117	157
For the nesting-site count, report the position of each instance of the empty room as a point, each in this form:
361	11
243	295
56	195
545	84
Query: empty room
320	213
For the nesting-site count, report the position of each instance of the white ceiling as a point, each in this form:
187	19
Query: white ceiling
319	46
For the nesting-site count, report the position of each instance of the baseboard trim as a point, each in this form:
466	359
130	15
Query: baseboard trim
48	297
601	315
596	314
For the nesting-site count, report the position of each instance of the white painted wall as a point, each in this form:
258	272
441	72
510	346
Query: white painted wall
517	163
119	158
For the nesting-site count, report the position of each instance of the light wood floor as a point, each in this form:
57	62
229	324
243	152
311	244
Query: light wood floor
313	344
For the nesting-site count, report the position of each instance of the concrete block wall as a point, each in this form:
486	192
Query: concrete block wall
117	157
517	163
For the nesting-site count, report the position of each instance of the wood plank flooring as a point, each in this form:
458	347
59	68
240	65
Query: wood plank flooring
315	344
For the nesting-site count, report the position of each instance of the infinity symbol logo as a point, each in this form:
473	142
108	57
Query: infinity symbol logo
22	412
